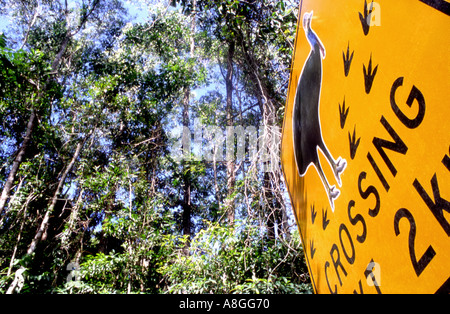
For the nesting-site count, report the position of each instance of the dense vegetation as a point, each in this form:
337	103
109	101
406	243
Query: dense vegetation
98	193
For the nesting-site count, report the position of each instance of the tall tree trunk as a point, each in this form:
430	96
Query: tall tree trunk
41	234
273	194
231	173
269	210
6	192
216	183
187	207
186	172
283	216
19	236
73	218
16	164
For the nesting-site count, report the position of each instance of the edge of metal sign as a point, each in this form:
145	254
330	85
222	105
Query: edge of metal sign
282	135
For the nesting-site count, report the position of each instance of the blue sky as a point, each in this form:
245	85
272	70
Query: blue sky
138	12
4	22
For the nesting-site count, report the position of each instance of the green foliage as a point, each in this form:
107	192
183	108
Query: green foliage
237	260
107	92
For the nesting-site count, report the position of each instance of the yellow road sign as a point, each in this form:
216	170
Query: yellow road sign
366	144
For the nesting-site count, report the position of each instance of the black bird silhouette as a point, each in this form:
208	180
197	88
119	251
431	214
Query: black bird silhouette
307	130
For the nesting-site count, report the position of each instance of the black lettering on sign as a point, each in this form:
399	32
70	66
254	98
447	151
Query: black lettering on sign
440	5
437	206
445	288
371	190
423	262
357	219
369	273
350	259
361	291
337	262
377	170
415	94
398	146
327	265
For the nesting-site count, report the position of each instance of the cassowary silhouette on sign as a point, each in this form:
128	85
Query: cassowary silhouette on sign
307	133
